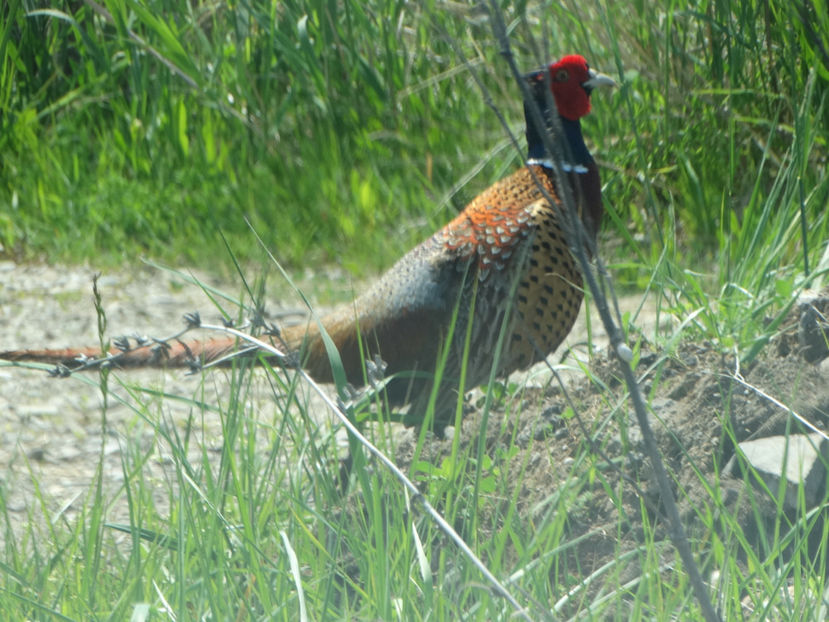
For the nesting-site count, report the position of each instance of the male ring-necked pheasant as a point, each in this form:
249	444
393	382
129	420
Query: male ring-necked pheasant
504	262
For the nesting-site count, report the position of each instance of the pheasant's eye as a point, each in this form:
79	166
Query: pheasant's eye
562	75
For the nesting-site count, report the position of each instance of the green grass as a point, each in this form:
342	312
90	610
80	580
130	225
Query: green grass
150	129
157	129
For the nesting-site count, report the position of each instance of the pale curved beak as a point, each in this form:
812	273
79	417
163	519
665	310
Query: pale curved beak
597	79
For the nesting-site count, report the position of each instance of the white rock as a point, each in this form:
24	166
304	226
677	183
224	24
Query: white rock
798	458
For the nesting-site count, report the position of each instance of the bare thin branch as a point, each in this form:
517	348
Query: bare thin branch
579	242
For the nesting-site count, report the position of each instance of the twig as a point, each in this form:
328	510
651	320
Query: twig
622	351
739	378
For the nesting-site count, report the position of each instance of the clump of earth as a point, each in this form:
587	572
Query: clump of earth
703	404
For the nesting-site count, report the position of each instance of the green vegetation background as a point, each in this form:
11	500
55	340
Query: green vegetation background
132	129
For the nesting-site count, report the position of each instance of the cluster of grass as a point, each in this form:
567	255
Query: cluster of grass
136	127
143	128
158	128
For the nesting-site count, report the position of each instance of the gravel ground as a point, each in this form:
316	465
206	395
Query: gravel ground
51	429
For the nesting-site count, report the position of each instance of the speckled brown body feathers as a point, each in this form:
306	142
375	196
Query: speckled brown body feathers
503	262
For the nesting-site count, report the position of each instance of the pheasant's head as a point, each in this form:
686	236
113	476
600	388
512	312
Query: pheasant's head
571	81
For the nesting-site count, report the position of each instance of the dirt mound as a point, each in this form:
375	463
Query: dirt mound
583	453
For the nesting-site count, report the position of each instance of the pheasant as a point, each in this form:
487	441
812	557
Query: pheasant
503	264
